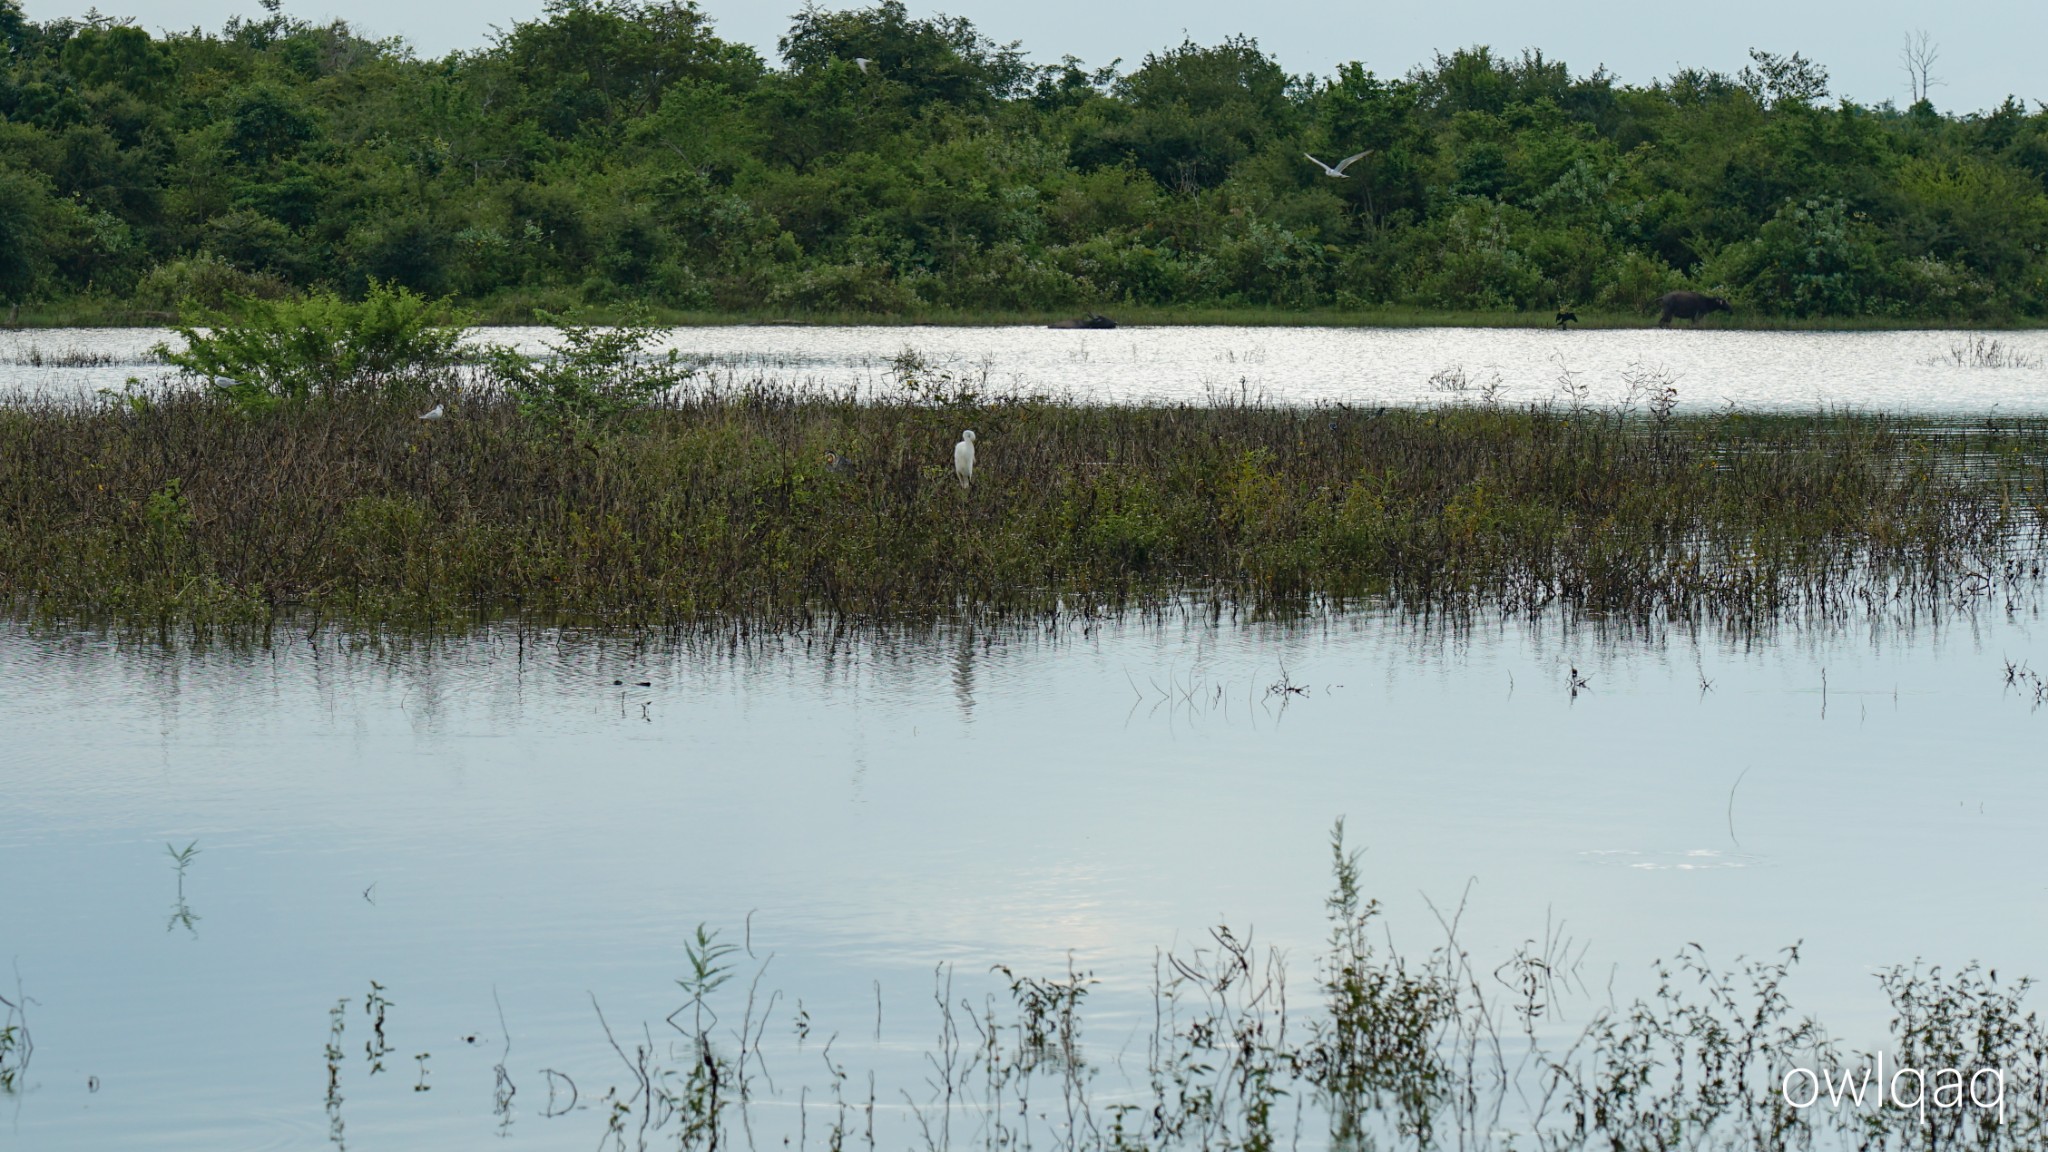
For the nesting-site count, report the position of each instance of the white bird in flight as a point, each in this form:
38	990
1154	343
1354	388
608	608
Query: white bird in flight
1346	162
437	413
863	62
963	458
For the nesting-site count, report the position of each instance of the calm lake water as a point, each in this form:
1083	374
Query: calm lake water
1921	371
502	835
496	823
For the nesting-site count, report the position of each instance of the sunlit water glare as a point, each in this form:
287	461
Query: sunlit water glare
1909	371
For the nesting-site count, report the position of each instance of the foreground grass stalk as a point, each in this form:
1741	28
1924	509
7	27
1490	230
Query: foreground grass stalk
723	504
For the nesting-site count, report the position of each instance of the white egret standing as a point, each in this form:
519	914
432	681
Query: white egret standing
963	458
1346	162
436	413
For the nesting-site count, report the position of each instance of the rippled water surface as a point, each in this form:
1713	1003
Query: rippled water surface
1920	371
538	823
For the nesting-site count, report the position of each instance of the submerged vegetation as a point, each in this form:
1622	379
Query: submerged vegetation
15	1045
621	154
1442	1050
563	491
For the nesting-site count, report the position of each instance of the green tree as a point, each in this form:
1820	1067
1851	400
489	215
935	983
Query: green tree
1195	112
123	56
23	224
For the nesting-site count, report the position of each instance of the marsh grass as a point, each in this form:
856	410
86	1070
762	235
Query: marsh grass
34	357
720	503
1986	352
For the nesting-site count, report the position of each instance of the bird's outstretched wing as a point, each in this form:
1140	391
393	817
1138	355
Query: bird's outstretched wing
1319	163
1348	161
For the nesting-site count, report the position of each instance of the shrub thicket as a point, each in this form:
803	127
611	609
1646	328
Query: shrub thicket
618	153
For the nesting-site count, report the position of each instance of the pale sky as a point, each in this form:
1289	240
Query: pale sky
1989	48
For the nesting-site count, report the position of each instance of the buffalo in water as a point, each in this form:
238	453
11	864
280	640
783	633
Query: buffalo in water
1093	320
1689	306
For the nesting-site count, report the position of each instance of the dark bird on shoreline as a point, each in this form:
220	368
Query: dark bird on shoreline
1564	318
1092	320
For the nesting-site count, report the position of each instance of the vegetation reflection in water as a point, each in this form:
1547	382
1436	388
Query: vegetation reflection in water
1444	1050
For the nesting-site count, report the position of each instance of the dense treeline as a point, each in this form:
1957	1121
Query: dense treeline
620	153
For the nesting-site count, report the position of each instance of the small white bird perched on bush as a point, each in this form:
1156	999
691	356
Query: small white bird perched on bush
438	412
963	458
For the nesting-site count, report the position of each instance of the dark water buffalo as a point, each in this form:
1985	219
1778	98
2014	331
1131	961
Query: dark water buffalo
1094	320
1689	306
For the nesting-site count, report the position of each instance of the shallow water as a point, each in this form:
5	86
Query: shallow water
495	822
1917	371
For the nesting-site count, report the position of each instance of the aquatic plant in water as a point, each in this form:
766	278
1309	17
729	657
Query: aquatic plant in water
16	1046
1440	1051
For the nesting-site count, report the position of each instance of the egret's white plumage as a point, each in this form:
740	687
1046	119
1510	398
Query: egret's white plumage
963	458
1341	165
438	412
863	62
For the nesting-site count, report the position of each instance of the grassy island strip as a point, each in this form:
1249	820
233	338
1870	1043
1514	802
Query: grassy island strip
190	507
359	460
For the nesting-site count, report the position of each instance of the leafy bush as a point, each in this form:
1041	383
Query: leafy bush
204	282
1635	282
269	351
1474	261
1812	259
590	373
859	286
